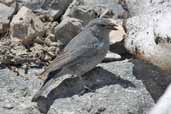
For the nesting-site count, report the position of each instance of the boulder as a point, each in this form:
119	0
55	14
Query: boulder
67	29
84	13
149	38
87	10
119	88
26	26
115	90
54	8
109	4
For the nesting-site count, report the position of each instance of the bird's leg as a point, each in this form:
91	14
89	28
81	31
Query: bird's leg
89	89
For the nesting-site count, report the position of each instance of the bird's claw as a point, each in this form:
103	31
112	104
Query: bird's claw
85	90
89	89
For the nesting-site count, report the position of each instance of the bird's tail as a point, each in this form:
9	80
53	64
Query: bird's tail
49	85
43	91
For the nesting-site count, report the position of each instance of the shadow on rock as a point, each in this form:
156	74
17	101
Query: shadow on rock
120	49
152	76
94	79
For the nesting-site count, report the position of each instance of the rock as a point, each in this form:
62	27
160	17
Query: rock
54	8
9	2
83	13
67	29
26	26
6	13
16	92
112	57
109	4
116	91
149	38
87	10
154	77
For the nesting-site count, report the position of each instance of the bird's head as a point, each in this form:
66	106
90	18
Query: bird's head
102	23
101	27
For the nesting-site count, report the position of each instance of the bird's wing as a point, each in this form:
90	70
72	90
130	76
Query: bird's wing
69	55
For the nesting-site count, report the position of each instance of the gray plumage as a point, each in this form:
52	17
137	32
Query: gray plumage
82	53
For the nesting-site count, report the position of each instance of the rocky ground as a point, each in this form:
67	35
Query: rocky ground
131	78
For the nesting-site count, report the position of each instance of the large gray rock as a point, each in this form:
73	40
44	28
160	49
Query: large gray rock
87	10
110	4
6	13
54	8
67	29
117	91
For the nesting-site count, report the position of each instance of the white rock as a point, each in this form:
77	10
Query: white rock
149	38
112	57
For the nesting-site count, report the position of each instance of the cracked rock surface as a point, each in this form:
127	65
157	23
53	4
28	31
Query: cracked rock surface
115	91
131	78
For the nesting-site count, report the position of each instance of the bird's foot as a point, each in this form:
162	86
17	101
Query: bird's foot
88	89
85	90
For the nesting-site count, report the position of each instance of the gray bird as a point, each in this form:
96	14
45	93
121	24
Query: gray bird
82	53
